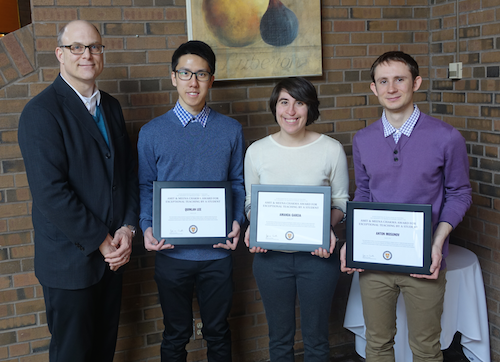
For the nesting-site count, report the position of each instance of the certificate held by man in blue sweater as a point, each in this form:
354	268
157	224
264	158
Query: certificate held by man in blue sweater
189	212
193	143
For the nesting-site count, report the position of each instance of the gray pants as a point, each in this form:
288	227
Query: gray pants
280	278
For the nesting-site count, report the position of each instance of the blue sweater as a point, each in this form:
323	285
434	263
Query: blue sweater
170	152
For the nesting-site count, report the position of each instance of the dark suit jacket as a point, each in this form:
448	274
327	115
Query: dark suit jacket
82	190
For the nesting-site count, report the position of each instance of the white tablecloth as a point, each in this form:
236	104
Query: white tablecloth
464	311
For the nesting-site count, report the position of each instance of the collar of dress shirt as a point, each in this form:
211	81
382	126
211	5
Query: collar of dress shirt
185	117
90	102
406	128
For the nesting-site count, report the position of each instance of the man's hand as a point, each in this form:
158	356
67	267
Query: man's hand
437	258
343	262
107	247
442	231
255	249
233	236
150	242
117	250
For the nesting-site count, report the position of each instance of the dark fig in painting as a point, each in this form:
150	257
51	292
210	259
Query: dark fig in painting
279	26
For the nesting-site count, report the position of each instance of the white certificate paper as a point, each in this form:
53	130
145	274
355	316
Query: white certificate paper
193	212
388	237
290	218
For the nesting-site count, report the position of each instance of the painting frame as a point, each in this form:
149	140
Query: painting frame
242	52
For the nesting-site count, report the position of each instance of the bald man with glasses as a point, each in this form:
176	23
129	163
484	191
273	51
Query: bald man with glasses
81	174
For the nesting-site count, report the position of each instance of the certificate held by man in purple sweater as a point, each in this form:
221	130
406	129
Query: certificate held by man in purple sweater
389	236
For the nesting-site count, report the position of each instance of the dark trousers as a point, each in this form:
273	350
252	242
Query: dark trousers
280	278
84	322
176	280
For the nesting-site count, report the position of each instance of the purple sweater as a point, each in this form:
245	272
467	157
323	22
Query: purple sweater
429	167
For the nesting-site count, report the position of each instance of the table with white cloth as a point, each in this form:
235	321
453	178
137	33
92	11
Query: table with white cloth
464	311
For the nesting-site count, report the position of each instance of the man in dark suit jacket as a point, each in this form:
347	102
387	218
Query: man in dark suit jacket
82	178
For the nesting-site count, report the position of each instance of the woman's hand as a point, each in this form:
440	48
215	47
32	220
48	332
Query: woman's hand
255	249
324	253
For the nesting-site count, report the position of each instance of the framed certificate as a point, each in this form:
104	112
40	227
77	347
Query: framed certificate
192	212
389	237
290	218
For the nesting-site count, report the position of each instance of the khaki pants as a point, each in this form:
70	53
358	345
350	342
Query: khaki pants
424	306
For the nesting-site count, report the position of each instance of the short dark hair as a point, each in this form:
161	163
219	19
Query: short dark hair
300	89
195	47
396	56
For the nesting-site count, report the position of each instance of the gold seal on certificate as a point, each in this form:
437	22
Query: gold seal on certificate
290	218
389	237
192	212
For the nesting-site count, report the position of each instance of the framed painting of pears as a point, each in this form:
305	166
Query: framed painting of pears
259	38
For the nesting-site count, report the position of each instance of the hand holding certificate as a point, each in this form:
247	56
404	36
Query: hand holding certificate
192	212
389	237
290	218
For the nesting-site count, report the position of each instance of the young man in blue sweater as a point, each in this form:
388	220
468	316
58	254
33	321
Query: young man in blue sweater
192	142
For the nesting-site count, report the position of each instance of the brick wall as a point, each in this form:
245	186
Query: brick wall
472	105
140	36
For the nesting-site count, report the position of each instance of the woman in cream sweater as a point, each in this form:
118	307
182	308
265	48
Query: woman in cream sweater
297	156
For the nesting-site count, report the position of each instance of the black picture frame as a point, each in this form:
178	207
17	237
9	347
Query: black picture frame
182	186
293	243
386	265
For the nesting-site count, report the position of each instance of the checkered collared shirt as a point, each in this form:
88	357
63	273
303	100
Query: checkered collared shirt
405	129
185	117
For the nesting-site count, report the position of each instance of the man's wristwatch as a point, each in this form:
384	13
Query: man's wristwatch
131	228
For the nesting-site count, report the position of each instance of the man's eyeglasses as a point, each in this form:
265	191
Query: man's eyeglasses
80	48
187	75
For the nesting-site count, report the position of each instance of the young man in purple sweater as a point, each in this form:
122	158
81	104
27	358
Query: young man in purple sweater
408	157
192	142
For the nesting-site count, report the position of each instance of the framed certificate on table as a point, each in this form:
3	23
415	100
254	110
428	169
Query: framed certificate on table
290	218
389	237
192	213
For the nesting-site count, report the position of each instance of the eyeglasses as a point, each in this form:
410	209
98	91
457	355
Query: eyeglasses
187	75
79	49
